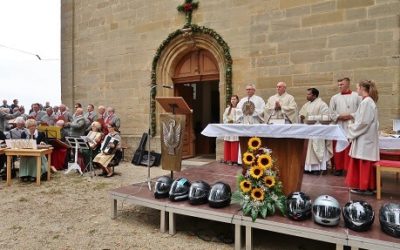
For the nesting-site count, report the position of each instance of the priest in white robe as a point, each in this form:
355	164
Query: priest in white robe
281	106
343	105
250	108
319	151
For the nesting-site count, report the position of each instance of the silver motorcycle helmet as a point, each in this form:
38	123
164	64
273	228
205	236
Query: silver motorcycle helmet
326	211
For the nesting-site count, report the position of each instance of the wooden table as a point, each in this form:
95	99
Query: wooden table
38	153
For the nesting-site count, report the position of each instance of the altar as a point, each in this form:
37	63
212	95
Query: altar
287	141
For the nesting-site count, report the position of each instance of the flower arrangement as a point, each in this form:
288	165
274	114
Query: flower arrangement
260	191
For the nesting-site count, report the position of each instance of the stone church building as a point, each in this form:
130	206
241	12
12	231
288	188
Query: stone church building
120	53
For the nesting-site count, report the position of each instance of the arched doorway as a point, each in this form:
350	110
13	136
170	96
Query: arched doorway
196	79
172	51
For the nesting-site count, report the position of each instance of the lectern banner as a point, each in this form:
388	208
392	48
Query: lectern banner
172	127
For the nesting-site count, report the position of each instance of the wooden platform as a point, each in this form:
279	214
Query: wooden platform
314	186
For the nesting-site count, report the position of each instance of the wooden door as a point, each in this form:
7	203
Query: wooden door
189	138
193	70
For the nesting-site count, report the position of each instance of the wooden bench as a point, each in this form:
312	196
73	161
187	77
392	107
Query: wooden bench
385	166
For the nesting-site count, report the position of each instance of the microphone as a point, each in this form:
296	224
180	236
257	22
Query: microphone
168	86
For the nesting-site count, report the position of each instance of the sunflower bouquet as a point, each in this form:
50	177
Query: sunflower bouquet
260	191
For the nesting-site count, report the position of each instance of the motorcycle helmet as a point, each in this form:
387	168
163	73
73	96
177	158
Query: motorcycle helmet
298	205
389	217
220	195
358	215
179	190
198	192
326	211
162	187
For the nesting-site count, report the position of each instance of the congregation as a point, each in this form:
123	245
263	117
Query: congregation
354	111
100	129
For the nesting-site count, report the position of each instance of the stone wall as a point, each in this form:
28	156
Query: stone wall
108	47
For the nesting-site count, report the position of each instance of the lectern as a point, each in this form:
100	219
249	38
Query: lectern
172	126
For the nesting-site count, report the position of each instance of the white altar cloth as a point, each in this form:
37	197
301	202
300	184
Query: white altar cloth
297	131
389	143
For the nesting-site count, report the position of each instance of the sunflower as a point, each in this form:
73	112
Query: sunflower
257	194
254	143
245	186
248	158
256	172
264	161
269	181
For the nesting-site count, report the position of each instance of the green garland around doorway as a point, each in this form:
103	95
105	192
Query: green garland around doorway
199	30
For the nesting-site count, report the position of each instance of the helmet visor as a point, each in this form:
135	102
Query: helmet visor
327	212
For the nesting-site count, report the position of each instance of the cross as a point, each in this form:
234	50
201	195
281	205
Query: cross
188	8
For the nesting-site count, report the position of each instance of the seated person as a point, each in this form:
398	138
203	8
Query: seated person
94	138
27	167
16	132
110	145
59	154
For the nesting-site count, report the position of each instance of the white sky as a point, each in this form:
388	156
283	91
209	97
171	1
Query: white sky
32	26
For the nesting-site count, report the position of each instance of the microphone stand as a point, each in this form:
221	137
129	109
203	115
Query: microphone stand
149	141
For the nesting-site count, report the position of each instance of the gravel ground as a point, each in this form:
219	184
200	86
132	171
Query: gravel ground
74	212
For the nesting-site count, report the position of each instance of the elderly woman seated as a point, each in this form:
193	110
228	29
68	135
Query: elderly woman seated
109	147
94	138
27	167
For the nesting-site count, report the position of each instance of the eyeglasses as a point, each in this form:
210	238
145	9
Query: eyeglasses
249	89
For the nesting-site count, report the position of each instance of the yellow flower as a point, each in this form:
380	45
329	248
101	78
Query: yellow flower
254	143
269	181
245	186
256	172
248	158
264	161
257	194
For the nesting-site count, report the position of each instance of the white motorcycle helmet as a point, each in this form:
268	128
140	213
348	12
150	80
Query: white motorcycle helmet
326	211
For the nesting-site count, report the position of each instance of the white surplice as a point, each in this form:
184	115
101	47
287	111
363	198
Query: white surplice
364	132
344	104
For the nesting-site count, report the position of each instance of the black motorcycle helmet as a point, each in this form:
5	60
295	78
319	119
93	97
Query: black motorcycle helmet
298	206
162	187
358	215
198	192
179	190
389	217
220	195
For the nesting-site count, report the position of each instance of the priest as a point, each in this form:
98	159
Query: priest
319	151
281	106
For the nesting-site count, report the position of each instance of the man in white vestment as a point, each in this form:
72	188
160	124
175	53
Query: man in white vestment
319	151
251	107
281	106
343	105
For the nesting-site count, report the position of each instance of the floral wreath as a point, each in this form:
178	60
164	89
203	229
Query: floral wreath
260	190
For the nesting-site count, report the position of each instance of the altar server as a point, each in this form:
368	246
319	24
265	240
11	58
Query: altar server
363	133
319	151
343	105
231	143
281	105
